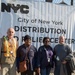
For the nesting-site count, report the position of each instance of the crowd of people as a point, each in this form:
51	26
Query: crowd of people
39	61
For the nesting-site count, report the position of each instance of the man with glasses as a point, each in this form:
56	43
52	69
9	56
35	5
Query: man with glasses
45	57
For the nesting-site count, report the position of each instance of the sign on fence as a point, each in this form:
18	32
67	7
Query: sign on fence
38	19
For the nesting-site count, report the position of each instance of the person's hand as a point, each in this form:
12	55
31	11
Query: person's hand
38	70
64	62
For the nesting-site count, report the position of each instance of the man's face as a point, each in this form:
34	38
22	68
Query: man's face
10	33
28	42
61	40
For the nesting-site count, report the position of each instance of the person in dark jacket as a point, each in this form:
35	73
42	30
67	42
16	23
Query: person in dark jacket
45	57
27	52
62	58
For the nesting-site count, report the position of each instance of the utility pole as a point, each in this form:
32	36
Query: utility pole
49	0
71	2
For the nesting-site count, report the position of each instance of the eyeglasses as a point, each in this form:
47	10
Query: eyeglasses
47	41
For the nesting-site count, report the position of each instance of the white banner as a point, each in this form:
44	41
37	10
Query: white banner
38	19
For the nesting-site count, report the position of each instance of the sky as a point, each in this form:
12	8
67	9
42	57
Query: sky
66	1
54	1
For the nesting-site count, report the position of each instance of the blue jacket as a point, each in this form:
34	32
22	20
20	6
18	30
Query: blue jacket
31	55
42	60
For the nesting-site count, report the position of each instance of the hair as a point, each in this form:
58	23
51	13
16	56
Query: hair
10	29
26	37
61	37
45	39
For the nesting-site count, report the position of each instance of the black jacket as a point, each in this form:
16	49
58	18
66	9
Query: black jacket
42	61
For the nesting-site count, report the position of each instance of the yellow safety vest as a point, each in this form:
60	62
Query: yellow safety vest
9	48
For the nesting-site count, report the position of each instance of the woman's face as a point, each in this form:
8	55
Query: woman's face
47	42
28	42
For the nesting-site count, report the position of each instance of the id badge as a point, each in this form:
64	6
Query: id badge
11	52
48	59
57	58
